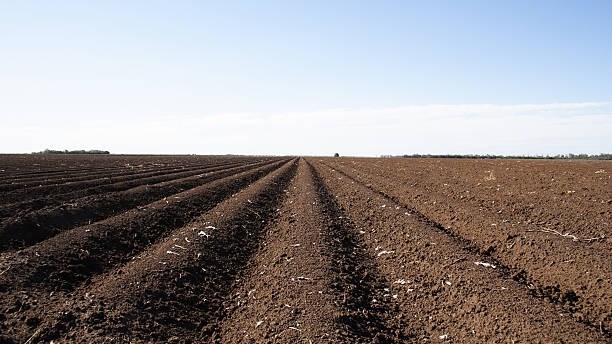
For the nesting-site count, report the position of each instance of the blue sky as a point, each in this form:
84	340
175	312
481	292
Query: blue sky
280	77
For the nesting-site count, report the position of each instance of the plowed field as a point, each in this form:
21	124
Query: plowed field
196	249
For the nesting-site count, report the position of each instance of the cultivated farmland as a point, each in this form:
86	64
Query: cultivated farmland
229	249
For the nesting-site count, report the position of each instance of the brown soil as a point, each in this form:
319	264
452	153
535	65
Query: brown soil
448	286
239	249
16	232
102	183
25	203
524	214
312	280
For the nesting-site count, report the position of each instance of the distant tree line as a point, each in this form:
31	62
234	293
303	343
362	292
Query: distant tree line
602	156
81	151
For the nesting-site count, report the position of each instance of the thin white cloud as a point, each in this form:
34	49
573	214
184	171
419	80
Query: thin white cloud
457	129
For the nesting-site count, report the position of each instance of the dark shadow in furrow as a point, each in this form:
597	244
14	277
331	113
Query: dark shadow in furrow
70	260
71	176
19	171
20	174
69	179
357	277
78	174
8	186
41	225
568	300
75	173
24	194
190	298
112	175
16	170
15	177
118	184
227	254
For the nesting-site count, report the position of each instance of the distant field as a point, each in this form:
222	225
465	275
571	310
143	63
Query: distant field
232	249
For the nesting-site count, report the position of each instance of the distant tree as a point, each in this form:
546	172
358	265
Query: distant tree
65	151
336	155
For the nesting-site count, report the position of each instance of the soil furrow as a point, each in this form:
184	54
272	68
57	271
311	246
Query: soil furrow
80	175
370	315
64	196
13	175
74	171
568	196
225	249
98	175
540	263
14	183
283	294
175	290
292	291
117	173
25	194
71	257
43	224
442	285
28	166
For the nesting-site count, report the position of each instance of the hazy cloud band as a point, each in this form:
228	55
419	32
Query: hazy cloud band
457	129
